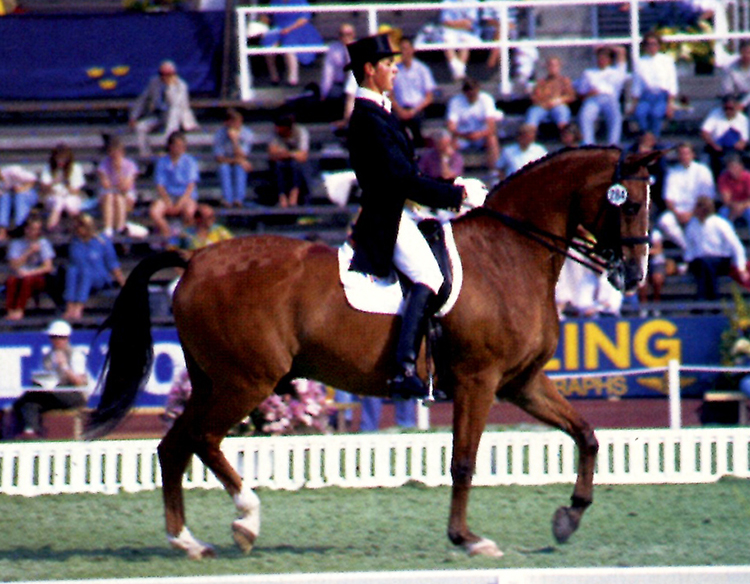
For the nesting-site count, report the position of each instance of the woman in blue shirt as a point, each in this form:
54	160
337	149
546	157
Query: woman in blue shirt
92	266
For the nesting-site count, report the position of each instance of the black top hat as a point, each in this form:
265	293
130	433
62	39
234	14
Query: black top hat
369	50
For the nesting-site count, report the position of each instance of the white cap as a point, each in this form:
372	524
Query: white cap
59	328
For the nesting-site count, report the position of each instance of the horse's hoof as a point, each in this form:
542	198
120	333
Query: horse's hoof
243	537
484	547
194	548
564	523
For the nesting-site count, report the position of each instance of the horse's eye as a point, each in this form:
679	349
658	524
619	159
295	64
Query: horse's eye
630	208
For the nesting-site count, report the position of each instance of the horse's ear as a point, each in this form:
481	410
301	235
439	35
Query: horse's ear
645	158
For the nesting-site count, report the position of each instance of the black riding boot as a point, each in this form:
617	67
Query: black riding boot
407	384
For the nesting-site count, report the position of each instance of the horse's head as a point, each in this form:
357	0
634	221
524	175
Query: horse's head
621	222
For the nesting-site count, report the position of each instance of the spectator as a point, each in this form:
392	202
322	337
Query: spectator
163	106
472	119
736	79
288	152
600	88
176	176
582	292
232	145
205	231
18	196
117	175
724	130
413	90
333	76
657	269
734	189
64	381
523	151
61	183
290	29
684	183
712	248
654	88
460	26
92	266
442	160
570	135
405	413
551	97
523	58
30	259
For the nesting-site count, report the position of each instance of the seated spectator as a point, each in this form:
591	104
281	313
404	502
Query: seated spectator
472	119
117	197
523	58
724	130
18	195
30	258
413	90
684	183
654	88
163	106
442	160
92	266
600	88
713	247
288	152
232	145
521	152
333	75
61	183
460	26
204	230
657	269
734	189
570	135
176	176
736	78
582	292
551	97
290	29
64	380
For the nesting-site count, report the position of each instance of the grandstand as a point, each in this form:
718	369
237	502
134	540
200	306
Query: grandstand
31	128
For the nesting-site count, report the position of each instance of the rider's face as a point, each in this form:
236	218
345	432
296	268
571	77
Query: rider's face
384	71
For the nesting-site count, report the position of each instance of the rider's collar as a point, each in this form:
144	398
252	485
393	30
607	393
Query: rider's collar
379	98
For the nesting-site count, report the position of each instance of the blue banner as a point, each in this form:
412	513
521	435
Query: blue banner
586	347
82	56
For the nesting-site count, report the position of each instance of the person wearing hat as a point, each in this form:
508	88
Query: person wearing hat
384	236
63	378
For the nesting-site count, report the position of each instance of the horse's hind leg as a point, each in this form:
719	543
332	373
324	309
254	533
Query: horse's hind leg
541	399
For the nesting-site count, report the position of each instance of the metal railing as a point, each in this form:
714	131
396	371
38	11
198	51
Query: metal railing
738	28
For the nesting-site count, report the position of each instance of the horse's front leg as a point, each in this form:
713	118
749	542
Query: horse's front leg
541	399
472	403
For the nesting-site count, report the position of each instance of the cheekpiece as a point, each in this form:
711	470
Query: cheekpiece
617	194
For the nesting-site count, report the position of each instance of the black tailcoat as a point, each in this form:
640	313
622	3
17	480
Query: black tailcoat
382	156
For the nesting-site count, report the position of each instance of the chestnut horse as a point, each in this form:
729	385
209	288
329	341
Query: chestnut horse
253	310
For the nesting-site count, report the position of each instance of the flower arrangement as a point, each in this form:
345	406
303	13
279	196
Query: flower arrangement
735	340
303	410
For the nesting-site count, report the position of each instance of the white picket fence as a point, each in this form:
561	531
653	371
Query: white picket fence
647	456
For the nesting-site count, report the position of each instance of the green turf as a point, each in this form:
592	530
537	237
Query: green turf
88	536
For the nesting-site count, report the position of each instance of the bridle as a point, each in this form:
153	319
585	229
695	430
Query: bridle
602	255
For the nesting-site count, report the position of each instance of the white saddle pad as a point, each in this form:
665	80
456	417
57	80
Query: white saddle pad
384	296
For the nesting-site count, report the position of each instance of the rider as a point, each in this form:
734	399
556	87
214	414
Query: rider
384	235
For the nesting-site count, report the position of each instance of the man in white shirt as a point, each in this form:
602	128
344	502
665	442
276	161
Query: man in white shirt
472	120
736	79
712	248
413	90
654	86
523	151
725	129
684	183
600	88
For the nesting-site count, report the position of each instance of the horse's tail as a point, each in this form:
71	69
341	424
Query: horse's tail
130	351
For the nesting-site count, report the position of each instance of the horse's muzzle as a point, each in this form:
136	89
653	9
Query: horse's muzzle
625	276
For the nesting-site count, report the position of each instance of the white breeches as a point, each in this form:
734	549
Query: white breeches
413	257
672	229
